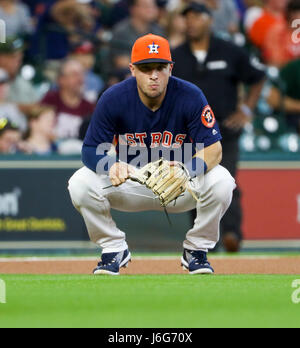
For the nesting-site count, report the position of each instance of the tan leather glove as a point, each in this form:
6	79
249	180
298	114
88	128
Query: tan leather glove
166	180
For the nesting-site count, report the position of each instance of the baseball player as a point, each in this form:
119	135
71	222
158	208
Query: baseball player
149	111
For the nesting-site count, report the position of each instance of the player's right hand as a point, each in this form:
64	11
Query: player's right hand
119	173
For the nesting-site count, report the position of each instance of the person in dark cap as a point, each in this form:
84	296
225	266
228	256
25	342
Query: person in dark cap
11	59
12	44
226	18
197	7
219	67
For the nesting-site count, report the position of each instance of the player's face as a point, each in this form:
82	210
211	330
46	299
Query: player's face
152	78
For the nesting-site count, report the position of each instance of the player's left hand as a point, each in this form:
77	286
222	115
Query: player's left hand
237	121
119	173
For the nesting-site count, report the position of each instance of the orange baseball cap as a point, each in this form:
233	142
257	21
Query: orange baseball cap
151	49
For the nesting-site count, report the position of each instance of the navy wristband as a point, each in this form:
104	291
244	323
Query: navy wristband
196	167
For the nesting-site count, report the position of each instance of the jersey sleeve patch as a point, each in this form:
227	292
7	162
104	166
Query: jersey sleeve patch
208	117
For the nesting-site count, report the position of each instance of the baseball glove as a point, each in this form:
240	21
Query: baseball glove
166	181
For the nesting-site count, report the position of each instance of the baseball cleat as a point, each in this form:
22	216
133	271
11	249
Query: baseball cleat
196	262
111	263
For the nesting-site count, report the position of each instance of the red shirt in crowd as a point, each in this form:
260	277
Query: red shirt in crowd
279	48
259	30
69	119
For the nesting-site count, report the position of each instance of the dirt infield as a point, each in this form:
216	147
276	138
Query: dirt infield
234	265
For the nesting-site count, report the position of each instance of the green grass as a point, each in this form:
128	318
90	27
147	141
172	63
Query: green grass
149	301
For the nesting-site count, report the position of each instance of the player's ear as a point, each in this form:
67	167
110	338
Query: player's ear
171	68
132	69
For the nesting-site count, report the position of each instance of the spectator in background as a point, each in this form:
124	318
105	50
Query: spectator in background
244	5
40	137
33	5
50	41
142	21
10	137
75	17
176	29
289	97
112	11
163	12
219	67
70	105
116	76
61	24
280	46
21	91
241	6
259	21
225	14
16	16
85	54
7	109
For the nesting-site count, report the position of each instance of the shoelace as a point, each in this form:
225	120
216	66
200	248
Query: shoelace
102	263
199	257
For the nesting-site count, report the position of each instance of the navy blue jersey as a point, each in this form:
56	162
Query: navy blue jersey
184	117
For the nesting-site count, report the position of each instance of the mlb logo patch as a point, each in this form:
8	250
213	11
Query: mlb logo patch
153	49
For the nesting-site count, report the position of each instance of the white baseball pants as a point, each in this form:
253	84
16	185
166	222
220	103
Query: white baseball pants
94	203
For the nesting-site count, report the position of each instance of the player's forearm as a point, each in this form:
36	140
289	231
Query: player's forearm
211	155
291	105
254	94
276	100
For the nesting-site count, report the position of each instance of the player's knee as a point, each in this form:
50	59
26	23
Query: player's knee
223	191
78	191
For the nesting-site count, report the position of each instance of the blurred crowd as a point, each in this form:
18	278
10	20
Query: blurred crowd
61	55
